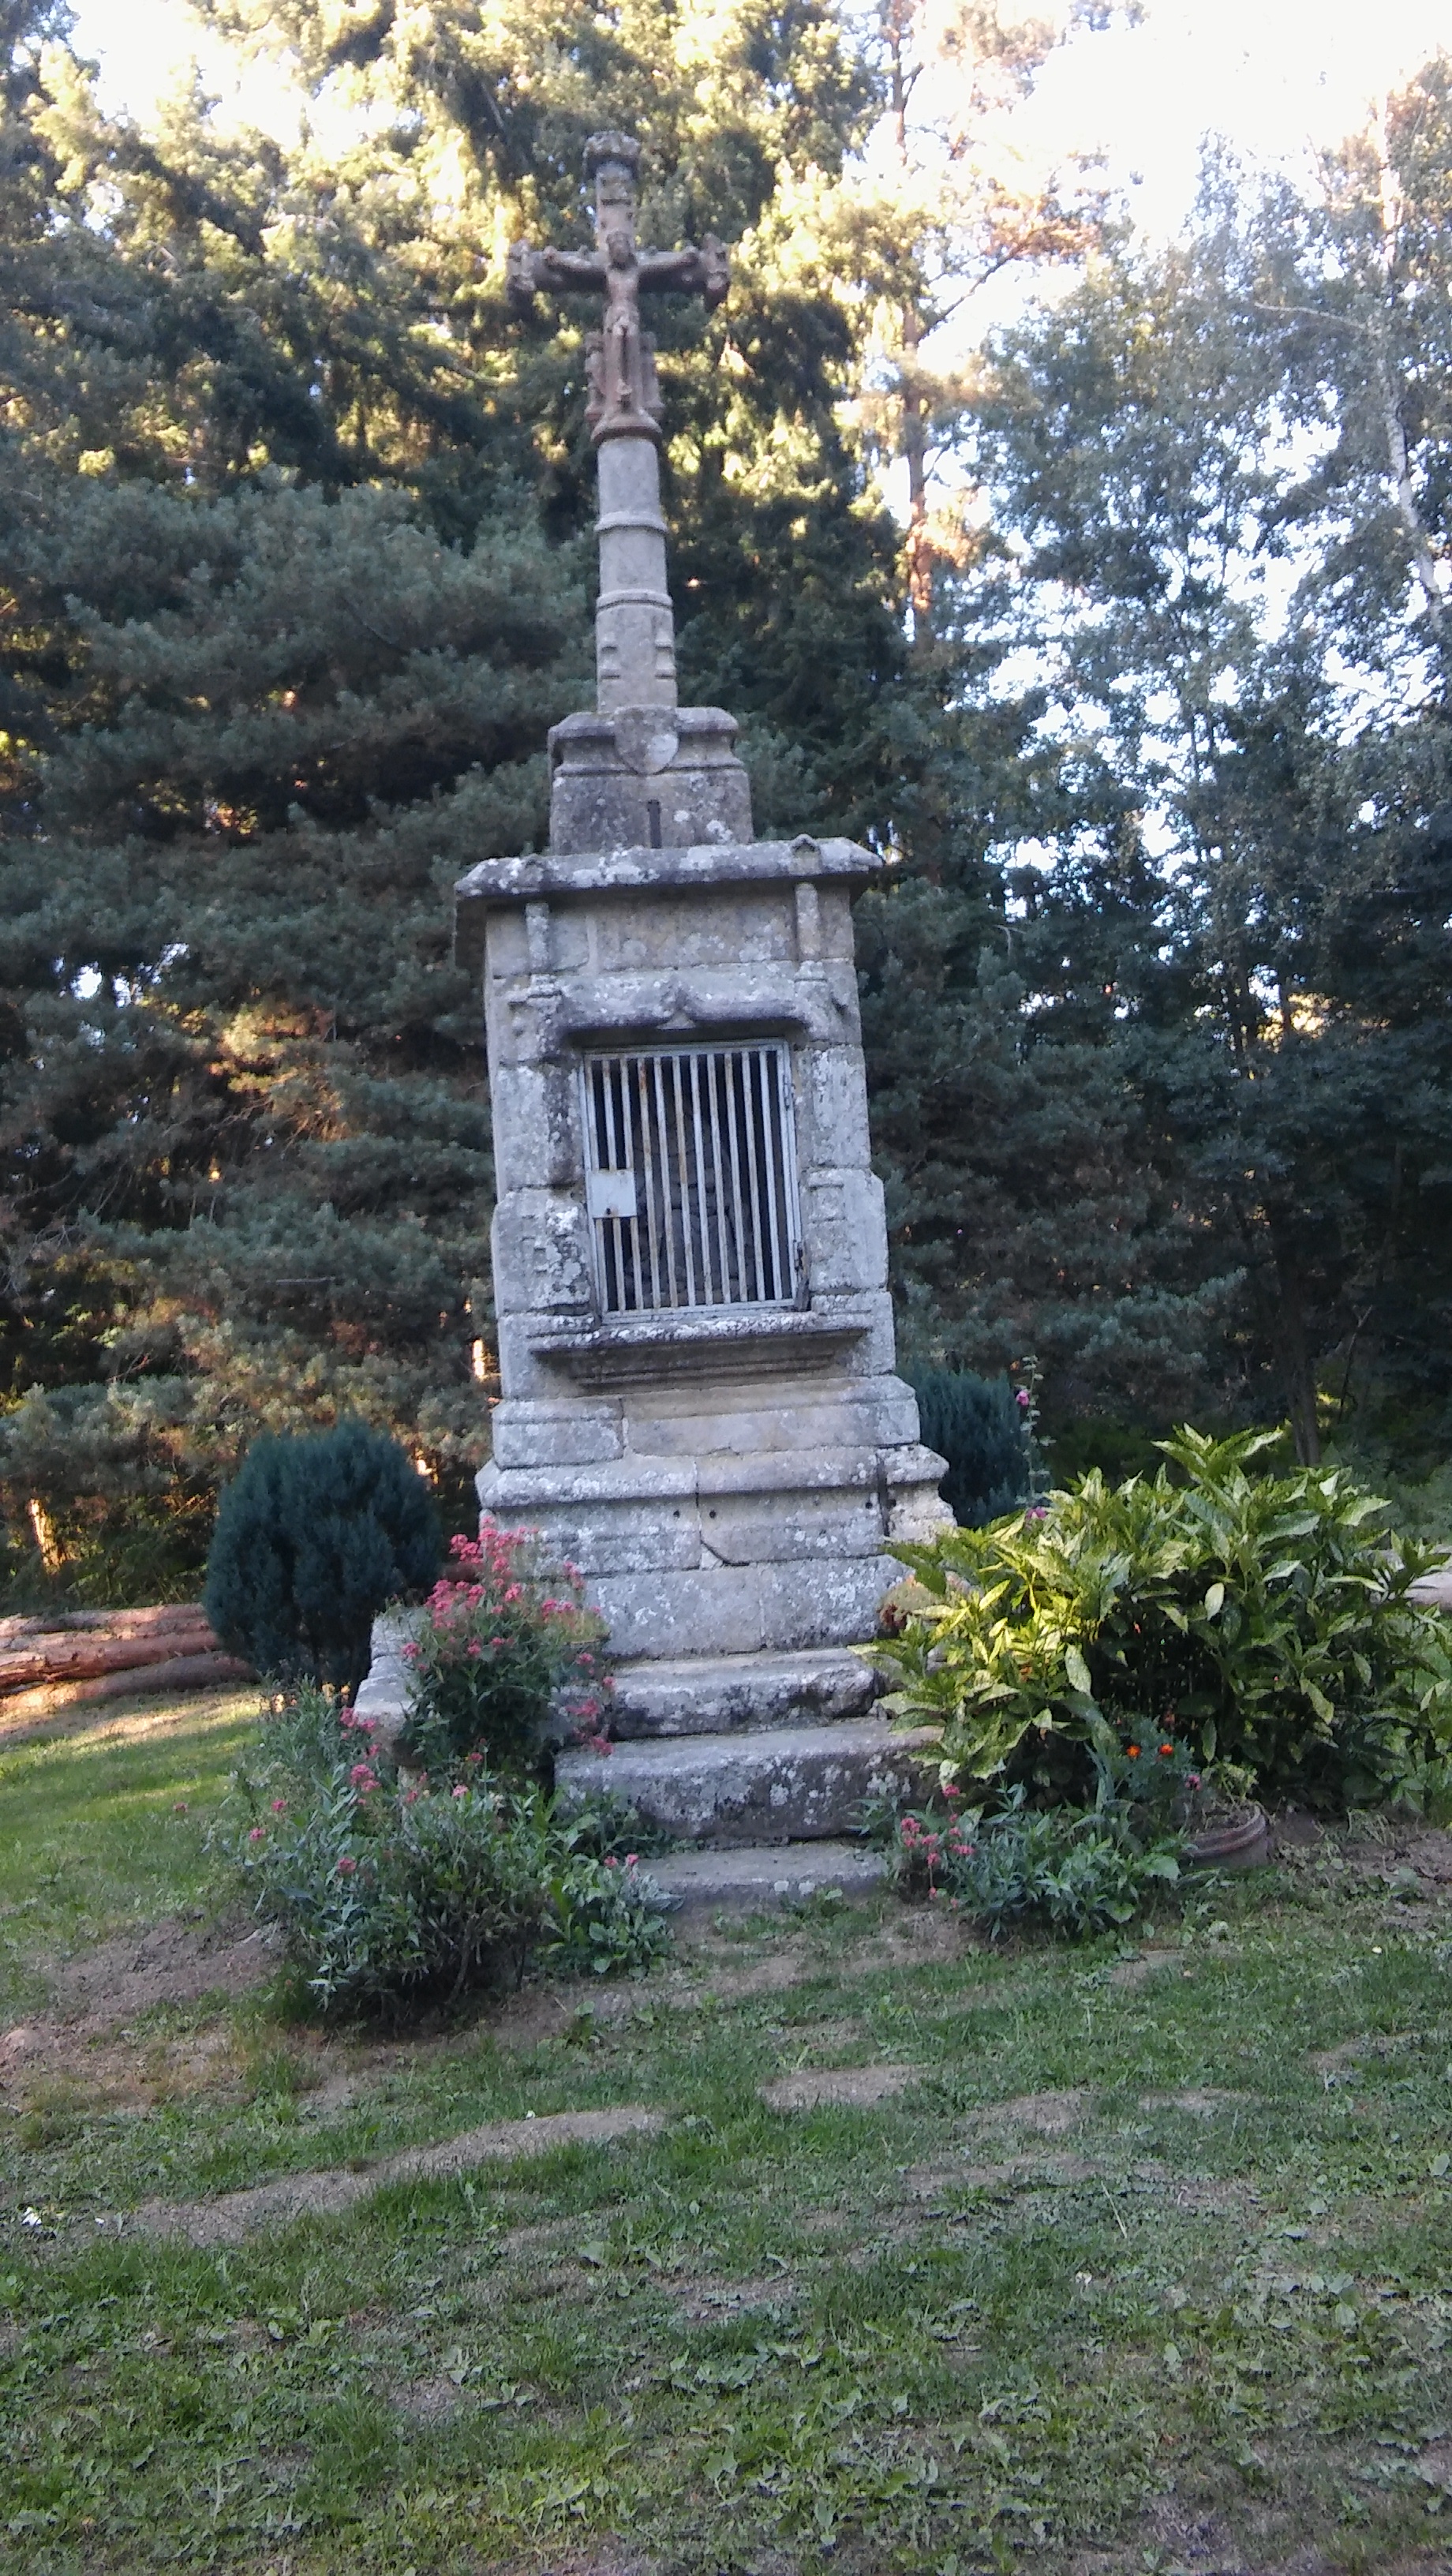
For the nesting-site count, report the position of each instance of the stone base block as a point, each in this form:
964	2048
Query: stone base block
743	1609
781	1784
753	1877
711	1694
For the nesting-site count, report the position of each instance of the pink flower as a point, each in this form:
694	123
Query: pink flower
347	1865
462	1790
279	1806
362	1777
257	1835
610	1864
632	1860
1022	1399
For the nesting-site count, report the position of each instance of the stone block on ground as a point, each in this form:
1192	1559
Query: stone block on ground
775	1784
754	1876
710	1694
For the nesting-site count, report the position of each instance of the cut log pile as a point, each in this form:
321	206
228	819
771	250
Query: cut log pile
48	1663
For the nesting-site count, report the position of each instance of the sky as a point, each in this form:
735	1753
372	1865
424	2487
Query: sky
1275	76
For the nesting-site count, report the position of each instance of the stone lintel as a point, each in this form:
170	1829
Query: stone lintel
562	876
670	1346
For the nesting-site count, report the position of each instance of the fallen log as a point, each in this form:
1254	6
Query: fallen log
159	1619
180	1673
54	1657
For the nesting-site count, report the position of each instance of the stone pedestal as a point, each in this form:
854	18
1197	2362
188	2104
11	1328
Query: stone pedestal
690	1277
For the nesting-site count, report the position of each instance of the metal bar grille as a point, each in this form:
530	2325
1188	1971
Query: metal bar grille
691	1178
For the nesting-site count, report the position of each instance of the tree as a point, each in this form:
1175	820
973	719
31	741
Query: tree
1237	628
289	506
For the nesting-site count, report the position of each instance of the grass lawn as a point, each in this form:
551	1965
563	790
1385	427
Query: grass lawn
1122	2259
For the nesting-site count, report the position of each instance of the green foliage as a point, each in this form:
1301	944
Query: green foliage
505	1649
387	1894
976	1423
1266	1618
313	1536
1077	1870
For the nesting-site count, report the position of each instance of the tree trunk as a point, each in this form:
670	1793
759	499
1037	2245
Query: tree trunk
1297	1376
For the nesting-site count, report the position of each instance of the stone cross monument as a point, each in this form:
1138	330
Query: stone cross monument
690	1257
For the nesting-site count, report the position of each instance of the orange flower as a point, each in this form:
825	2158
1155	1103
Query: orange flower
1133	1751
1167	1748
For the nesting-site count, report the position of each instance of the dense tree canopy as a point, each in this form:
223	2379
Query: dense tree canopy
1146	706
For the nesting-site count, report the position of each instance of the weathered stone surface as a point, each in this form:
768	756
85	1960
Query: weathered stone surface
880	1413
382	1697
532	1432
640	776
710	1695
842	1213
741	1610
778	1784
753	1876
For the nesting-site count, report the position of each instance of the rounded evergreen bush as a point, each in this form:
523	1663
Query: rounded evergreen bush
314	1534
977	1424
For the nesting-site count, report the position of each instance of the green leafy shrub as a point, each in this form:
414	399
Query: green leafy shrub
388	1893
977	1424
1078	1870
1267	1619
314	1534
505	1648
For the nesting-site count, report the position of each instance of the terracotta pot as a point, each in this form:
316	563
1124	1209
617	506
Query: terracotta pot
1238	1841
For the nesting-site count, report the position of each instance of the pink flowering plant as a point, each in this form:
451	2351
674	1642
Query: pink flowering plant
506	1655
1076	1870
395	1887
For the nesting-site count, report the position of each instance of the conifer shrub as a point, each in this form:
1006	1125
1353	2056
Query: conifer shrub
314	1534
392	1890
505	1654
977	1424
1264	1622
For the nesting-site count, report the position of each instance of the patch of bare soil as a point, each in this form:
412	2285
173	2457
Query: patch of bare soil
427	2401
1050	2113
607	2558
1378	1847
1150	1963
84	2046
175	1962
773	1975
930	2182
1347	2052
811	2086
236	2215
702	2300
1204	2544
1202	2099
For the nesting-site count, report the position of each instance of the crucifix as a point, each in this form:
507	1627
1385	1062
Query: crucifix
634	628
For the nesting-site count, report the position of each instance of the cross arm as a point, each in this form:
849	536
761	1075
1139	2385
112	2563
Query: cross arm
529	272
704	272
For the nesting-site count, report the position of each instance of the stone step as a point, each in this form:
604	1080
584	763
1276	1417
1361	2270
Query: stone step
713	1694
761	1784
755	1876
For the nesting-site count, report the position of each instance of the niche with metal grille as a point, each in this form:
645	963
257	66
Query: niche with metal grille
691	1178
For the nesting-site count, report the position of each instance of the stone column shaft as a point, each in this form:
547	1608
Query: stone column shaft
635	654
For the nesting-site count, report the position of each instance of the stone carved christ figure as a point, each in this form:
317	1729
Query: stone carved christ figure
622	361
